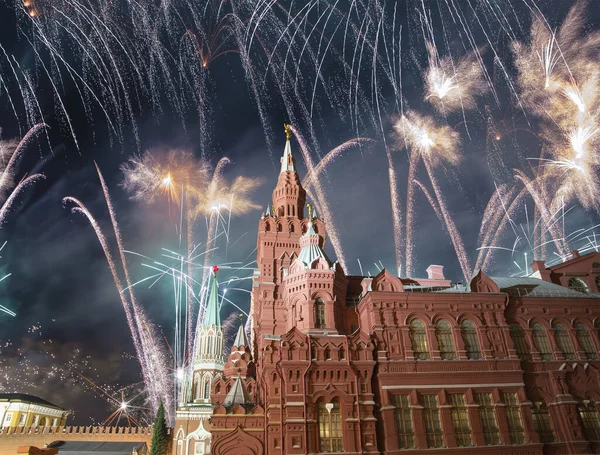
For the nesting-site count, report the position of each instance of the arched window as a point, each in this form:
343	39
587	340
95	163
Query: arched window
206	387
197	389
418	338
585	341
541	342
542	422
598	282
469	335
564	342
327	354
330	427
209	348
443	332
577	284
320	314
518	339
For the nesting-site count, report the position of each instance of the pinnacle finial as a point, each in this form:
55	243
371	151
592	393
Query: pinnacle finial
310	210
288	131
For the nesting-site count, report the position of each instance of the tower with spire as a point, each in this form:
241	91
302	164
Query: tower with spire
278	245
208	362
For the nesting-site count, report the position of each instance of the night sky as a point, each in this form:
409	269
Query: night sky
69	319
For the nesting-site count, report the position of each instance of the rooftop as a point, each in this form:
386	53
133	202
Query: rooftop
94	447
25	398
528	287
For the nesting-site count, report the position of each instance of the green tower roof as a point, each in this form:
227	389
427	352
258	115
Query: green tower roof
211	314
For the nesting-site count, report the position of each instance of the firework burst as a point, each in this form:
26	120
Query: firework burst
453	85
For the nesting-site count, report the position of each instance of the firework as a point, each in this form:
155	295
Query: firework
433	144
128	403
159	173
452	86
150	353
322	200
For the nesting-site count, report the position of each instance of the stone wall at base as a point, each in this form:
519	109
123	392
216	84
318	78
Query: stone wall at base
13	438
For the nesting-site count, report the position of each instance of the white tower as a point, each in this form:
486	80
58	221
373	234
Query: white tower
208	362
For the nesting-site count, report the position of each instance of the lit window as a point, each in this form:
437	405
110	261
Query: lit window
320	314
460	419
404	424
589	419
491	434
564	342
471	340
585	341
418	338
518	338
542	422
513	415
443	332
330	427
577	284
7	419
22	419
431	417
541	342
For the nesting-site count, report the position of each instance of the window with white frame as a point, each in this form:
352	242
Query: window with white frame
7	419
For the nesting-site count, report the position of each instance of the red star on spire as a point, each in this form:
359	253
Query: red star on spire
215	269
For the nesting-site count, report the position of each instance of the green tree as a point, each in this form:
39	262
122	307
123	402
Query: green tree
160	441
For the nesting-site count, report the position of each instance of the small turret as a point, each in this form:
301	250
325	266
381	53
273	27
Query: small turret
237	395
239	362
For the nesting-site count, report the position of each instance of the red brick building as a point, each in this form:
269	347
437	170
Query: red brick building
398	365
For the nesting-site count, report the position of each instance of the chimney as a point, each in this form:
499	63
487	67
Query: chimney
575	254
540	268
435	272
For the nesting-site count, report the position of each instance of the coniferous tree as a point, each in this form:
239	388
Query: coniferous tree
160	441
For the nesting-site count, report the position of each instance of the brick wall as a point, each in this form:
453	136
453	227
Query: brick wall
12	438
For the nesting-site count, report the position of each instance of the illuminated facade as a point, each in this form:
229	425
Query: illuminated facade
369	365
21	410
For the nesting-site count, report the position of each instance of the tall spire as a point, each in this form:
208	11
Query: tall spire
287	160
240	339
288	196
211	314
